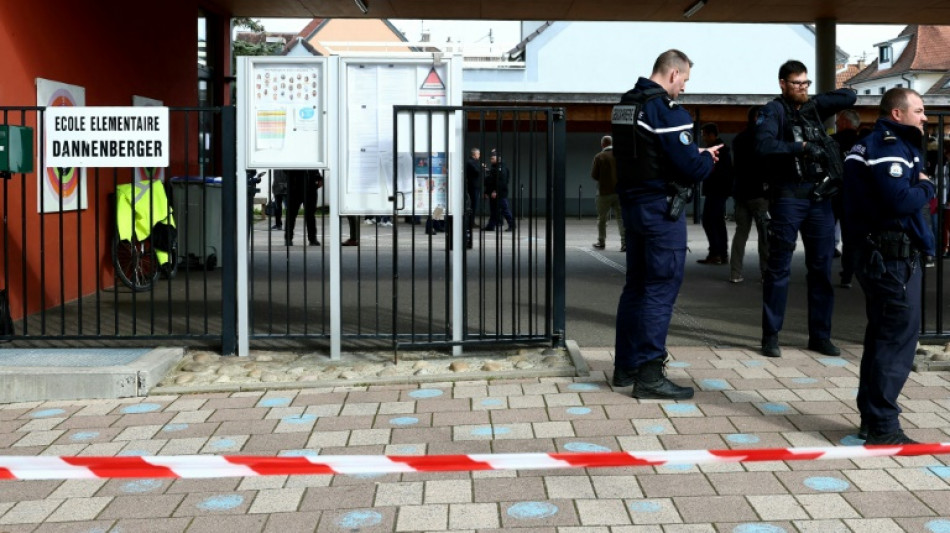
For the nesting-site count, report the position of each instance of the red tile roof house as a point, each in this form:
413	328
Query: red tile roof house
918	58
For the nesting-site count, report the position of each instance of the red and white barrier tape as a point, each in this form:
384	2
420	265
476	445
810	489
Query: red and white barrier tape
210	466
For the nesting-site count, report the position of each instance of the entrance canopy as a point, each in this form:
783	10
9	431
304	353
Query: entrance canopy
936	12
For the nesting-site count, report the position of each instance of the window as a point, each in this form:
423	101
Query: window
899	85
886	54
882	90
867	91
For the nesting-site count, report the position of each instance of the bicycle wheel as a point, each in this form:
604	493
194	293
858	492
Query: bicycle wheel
136	264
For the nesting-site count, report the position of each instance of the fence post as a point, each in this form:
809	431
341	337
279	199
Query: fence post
580	192
558	124
229	192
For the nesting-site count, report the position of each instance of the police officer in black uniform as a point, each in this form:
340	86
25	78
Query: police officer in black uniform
658	163
797	155
885	190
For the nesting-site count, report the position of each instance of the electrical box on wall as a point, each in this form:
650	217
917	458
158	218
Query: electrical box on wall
16	149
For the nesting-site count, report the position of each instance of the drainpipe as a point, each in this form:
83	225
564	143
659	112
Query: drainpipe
908	80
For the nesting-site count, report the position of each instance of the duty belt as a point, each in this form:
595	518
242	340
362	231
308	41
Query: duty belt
892	244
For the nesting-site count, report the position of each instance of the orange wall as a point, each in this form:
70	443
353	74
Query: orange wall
114	49
364	30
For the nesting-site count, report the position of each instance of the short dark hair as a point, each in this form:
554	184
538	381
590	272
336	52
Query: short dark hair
753	114
671	59
710	129
792	66
895	98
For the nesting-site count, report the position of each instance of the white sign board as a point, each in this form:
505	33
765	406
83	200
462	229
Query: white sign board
106	137
285	103
371	157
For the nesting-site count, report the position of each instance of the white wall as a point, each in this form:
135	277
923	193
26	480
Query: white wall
607	57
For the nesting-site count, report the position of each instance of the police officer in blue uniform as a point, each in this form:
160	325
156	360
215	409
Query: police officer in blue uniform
658	163
885	191
797	157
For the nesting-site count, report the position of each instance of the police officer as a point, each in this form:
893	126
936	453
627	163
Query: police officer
885	191
789	138
657	165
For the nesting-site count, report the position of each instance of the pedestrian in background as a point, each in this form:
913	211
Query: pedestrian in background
604	171
497	182
716	188
751	196
302	185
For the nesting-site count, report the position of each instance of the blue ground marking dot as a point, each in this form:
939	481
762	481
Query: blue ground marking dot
409	448
221	503
942	472
488	430
133	453
140	485
305	418
172	428
140	408
583	387
714	384
678	468
585	447
758	528
645	507
298	453
223	443
47	413
578	410
678	364
826	484
491	401
425	393
772	407
742	438
851	440
404	421
753	363
84	435
358	519
938	526
804	381
833	361
274	402
528	510
654	429
680	408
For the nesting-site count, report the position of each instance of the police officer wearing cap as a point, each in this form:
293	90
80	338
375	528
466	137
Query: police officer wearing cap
658	163
798	157
885	190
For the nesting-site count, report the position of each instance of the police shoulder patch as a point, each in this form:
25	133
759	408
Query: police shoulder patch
686	137
896	171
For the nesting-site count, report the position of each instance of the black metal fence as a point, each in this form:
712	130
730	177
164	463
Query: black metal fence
933	326
70	277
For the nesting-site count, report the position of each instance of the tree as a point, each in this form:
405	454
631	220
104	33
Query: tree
246	48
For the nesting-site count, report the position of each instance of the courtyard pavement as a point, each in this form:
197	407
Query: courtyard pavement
743	401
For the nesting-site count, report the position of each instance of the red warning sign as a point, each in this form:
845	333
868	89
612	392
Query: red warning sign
432	91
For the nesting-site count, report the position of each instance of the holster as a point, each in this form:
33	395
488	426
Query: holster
892	244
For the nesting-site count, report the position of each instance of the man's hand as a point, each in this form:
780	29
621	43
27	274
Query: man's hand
924	177
713	151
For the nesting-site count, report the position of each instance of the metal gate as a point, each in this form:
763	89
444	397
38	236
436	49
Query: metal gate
59	260
933	326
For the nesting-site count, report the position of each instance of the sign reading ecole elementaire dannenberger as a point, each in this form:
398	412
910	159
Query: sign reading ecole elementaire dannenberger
106	137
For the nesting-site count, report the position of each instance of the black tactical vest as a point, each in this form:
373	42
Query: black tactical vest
637	154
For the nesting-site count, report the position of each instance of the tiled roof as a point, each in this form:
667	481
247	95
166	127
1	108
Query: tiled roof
849	71
927	50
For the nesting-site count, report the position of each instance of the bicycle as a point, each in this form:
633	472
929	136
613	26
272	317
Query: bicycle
142	250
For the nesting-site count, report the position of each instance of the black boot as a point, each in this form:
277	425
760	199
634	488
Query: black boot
651	383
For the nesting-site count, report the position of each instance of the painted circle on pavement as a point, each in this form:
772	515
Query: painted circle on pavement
714	384
84	435
826	484
298	453
425	393
359	519
578	410
274	402
772	407
680	408
758	528
140	408
645	507
404	421
804	381
221	503
46	413
584	387
140	485
678	364
304	418
489	431
490	402
172	428
585	447
742	438
941	525
529	510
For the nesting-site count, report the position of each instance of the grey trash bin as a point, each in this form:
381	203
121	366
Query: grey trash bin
197	204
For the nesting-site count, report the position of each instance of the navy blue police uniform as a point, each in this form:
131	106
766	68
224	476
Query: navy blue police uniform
793	209
883	201
653	149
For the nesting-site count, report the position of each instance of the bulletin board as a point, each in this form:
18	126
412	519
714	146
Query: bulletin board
371	158
286	111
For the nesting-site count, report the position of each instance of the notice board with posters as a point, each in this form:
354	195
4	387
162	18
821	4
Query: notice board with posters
285	110
370	159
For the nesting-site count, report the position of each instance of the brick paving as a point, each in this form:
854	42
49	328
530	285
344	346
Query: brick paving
742	401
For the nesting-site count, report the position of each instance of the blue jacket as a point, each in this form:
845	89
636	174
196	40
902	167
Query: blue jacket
882	186
669	130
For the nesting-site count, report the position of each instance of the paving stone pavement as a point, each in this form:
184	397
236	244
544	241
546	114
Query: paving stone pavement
743	401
